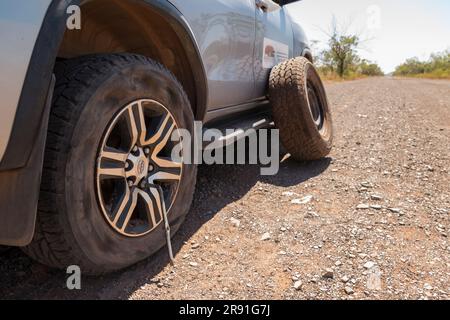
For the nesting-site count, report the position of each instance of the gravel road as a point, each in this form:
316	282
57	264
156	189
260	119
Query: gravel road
372	221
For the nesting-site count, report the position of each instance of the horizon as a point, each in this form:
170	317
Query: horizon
390	30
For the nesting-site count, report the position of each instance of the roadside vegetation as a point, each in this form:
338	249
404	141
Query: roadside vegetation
436	67
340	60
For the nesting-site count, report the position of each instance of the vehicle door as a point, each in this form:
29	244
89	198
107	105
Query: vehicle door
225	34
274	41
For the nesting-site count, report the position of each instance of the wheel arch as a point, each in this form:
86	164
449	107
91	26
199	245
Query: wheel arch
308	55
155	29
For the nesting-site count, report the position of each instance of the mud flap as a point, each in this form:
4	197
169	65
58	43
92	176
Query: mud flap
19	190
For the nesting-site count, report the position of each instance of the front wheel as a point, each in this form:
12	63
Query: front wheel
108	172
301	110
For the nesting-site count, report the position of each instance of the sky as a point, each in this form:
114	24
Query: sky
392	30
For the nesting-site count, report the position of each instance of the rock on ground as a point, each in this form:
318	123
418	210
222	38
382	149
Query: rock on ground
392	139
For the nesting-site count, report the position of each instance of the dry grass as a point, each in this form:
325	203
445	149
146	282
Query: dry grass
433	75
334	77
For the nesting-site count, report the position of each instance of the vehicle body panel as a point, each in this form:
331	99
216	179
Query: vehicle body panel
225	33
20	23
275	26
230	35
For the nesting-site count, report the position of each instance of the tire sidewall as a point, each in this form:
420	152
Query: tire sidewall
326	133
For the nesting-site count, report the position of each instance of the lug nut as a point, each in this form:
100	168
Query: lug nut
130	183
150	168
127	165
135	148
147	150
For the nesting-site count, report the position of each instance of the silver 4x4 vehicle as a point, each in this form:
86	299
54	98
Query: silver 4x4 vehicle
86	174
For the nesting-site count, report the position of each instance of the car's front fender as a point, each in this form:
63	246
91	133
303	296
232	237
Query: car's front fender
301	43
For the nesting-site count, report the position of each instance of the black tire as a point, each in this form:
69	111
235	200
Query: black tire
71	228
290	88
3	249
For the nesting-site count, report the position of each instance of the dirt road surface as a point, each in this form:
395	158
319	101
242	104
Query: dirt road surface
371	221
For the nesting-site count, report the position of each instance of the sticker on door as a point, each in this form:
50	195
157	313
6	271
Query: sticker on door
274	53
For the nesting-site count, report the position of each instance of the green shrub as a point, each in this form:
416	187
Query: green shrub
438	67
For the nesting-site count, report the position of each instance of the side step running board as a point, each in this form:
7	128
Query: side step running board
234	131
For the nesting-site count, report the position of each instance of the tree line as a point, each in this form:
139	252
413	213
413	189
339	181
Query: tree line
340	60
437	66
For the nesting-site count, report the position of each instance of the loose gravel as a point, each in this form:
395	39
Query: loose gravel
372	221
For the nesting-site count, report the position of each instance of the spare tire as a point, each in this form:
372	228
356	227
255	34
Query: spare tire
301	110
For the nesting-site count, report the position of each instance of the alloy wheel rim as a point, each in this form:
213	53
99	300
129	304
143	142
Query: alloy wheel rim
136	177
